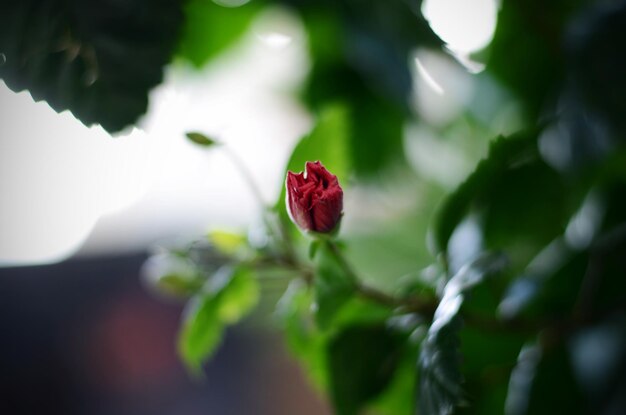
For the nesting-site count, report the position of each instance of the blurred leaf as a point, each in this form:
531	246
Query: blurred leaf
399	396
333	287
361	53
488	359
239	297
206	256
543	383
210	28
229	295
228	243
597	46
172	274
523	204
201	333
559	291
381	38
362	361
97	59
371	117
359	311
596	352
311	344
503	152
440	359
313	247
534	30
303	336
200	139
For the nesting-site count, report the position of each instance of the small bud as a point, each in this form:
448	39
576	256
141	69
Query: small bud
314	198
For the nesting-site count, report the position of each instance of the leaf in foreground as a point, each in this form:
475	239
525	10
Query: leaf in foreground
362	361
439	362
228	297
97	59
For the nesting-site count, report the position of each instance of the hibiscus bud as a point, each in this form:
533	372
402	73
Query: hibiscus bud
314	198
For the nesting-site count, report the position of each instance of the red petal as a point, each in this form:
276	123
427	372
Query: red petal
317	172
298	200
327	209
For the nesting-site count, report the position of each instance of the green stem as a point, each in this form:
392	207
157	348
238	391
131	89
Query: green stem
246	174
423	306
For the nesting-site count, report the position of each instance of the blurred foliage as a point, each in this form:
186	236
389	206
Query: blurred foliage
512	291
227	296
210	28
361	52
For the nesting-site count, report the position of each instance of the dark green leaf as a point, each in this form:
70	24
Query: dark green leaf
503	153
488	358
97	59
521	202
598	353
597	61
366	149
333	287
399	397
303	336
440	360
361	363
543	383
361	56
535	71
210	28
200	139
229	295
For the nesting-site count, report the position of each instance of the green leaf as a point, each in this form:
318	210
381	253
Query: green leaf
303	336
486	366
211	29
503	153
399	398
172	274
543	383
99	60
333	287
535	71
374	139
229	296
202	331
313	247
597	60
440	360
519	201
228	243
362	361
200	139
239	297
549	286
360	53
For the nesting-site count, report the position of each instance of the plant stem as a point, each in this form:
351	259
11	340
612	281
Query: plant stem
424	306
246	174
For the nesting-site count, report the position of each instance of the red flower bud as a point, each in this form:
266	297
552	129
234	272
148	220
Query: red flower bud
314	198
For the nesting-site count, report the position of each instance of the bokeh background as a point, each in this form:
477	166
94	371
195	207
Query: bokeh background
416	90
